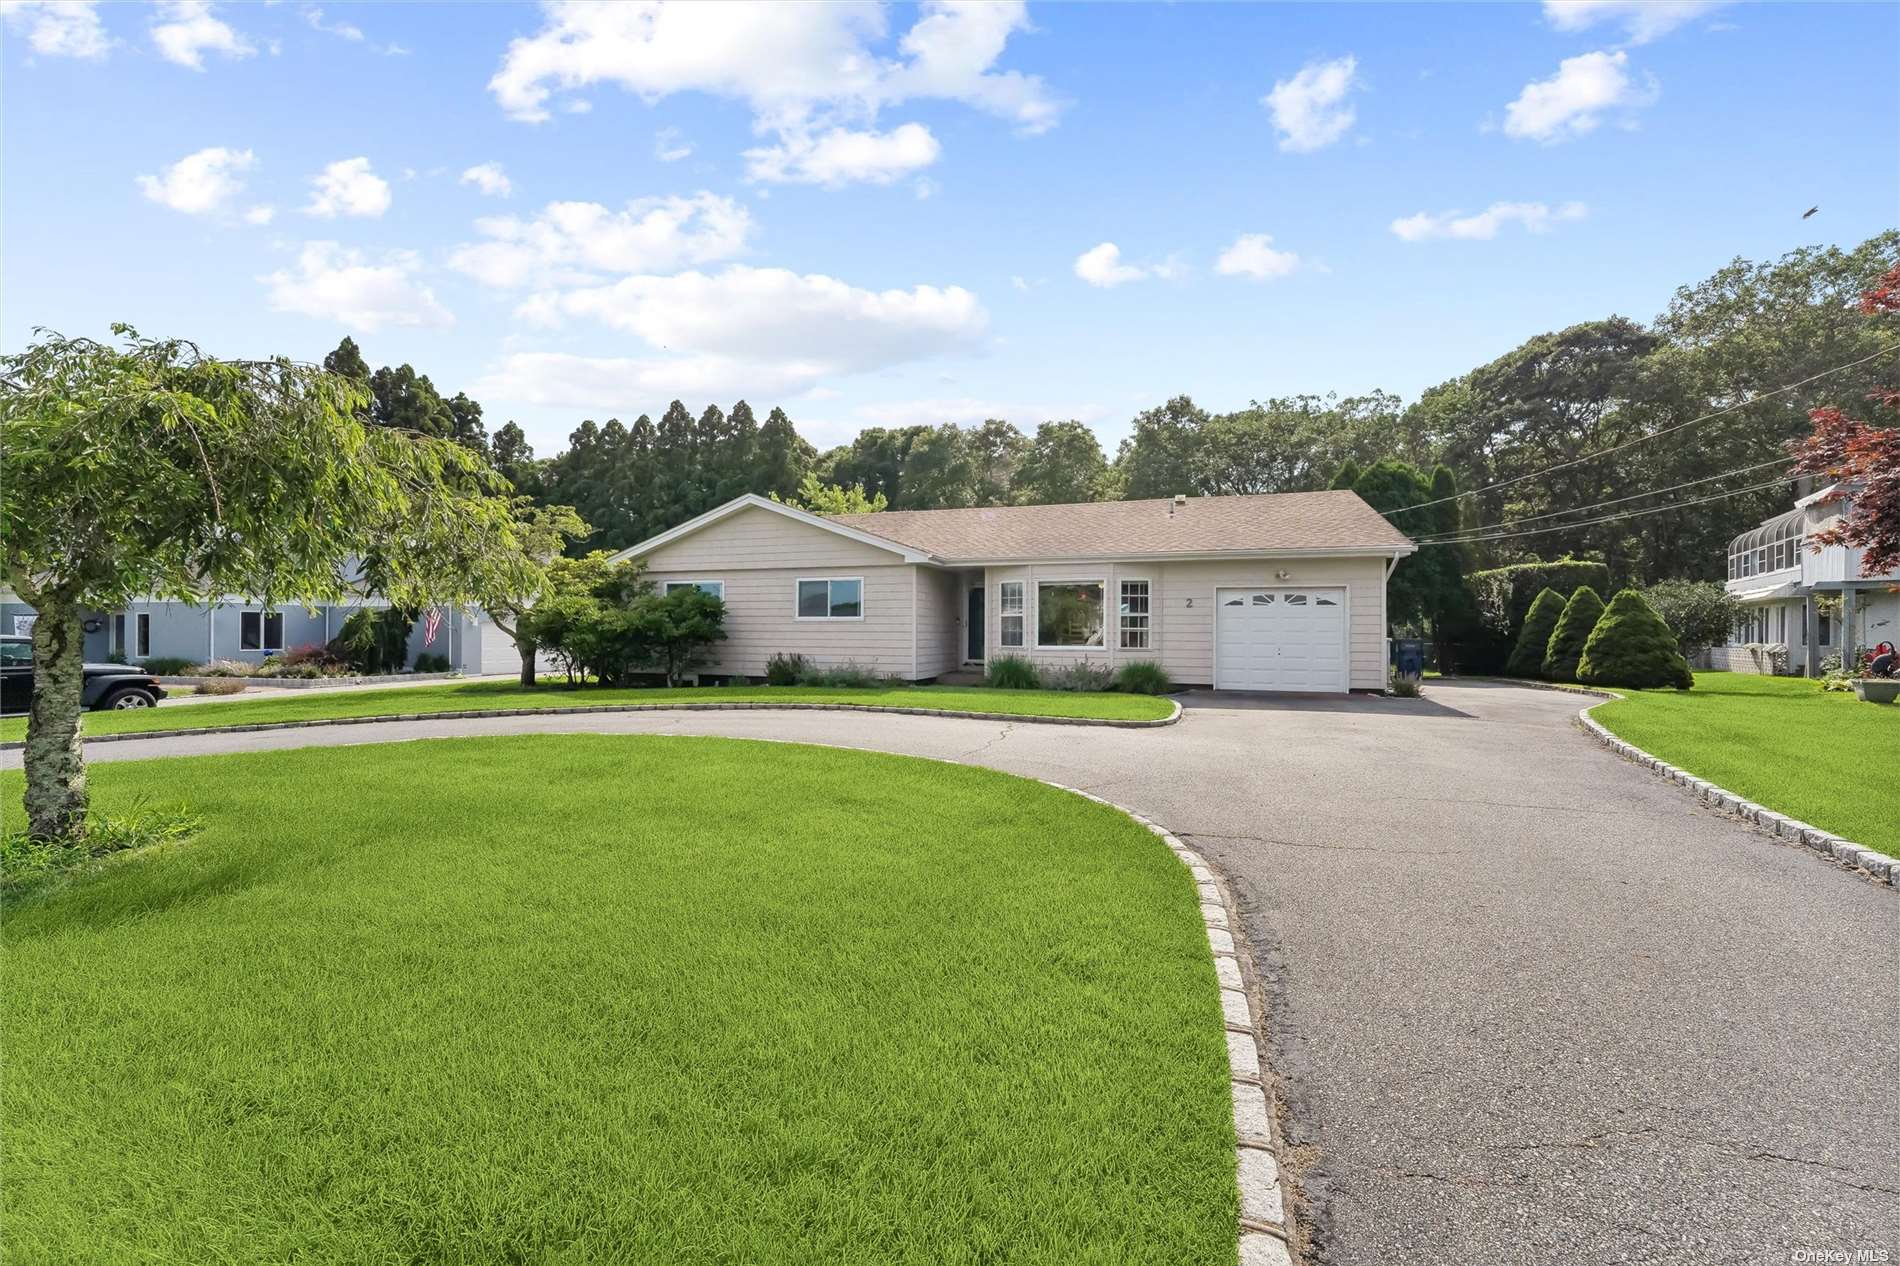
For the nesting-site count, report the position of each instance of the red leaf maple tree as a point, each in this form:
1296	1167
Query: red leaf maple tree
1863	455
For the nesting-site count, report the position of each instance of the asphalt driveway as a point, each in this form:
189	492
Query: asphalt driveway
1527	1002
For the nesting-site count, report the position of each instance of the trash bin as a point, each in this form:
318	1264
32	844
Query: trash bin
1408	656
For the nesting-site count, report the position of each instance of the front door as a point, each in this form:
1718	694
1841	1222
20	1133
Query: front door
974	623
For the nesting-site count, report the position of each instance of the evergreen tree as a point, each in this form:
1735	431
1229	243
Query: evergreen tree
348	361
1565	647
1632	646
514	458
938	471
1527	657
1348	475
783	457
740	452
404	400
465	423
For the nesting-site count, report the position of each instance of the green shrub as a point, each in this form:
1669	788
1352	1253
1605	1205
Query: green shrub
1143	677
1701	612
845	676
228	668
1565	647
786	670
220	686
1012	672
373	640
168	665
1404	686
432	662
1633	646
1081	675
1527	658
1504	594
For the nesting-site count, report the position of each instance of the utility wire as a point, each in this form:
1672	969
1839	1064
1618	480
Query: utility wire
1427	537
1655	435
1608	518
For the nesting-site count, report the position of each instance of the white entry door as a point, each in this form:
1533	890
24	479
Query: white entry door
1280	639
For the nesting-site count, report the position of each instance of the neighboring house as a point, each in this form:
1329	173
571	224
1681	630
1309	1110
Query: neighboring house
1272	592
1804	605
247	630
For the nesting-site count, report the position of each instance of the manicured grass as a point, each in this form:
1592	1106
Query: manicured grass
1825	758
459	696
629	999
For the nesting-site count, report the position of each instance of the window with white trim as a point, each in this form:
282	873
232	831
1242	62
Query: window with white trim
717	588
261	630
1069	613
1134	615
1009	613
833	598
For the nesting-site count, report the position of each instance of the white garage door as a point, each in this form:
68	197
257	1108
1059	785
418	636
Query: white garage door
1280	639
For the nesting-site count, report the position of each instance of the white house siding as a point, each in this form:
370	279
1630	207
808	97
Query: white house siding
941	603
1181	599
760	557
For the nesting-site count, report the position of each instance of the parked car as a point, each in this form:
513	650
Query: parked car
105	685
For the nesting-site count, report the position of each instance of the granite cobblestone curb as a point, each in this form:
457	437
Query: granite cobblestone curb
763	705
1858	858
1266	1231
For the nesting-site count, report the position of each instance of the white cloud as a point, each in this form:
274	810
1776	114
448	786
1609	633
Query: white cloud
200	183
190	31
58	28
1536	217
841	156
1571	103
334	283
1310	109
742	330
1252	255
1102	266
1641	20
260	214
808	71
348	187
668	147
575	242
490	179
343	30
972	410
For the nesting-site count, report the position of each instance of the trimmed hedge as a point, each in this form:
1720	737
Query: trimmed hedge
1505	594
1633	646
1566	643
1527	658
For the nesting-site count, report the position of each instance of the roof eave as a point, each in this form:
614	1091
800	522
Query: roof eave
1186	556
750	501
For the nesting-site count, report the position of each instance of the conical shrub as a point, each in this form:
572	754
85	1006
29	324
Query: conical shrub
1527	658
1565	647
1633	646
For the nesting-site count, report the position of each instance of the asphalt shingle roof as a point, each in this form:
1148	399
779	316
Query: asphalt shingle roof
1135	529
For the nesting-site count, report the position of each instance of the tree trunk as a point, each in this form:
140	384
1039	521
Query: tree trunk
527	664
56	796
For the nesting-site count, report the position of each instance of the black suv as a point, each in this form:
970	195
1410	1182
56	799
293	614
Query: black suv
105	686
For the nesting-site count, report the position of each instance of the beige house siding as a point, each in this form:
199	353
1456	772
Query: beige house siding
940	599
760	557
1181	599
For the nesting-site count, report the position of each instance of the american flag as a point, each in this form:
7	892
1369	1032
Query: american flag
431	625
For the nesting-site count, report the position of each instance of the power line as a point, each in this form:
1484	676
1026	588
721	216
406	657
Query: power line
1655	435
1427	537
1608	518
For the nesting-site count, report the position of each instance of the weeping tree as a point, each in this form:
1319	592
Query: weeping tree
544	532
150	468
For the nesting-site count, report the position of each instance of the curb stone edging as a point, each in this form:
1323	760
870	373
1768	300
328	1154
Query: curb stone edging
1856	858
1266	1229
705	706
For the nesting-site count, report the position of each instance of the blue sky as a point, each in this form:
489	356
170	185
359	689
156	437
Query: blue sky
902	214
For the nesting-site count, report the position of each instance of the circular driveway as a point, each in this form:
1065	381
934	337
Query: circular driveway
1527	1003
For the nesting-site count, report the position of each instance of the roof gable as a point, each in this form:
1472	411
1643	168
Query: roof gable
752	502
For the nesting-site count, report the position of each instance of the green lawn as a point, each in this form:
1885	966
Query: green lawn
1825	758
628	999
459	696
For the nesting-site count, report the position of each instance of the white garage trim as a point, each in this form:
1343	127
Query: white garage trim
1345	630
